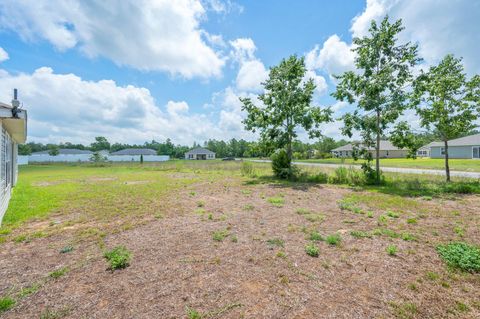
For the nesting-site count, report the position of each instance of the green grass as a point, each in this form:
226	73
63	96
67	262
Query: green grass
58	273
312	250
276	201
6	303
220	235
333	239
460	255
426	163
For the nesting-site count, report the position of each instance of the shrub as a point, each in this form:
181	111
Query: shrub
219	235
118	257
360	234
392	250
460	255
312	250
6	303
315	236
247	169
281	165
193	314
340	176
333	239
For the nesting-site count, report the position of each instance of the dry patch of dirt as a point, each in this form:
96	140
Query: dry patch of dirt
259	269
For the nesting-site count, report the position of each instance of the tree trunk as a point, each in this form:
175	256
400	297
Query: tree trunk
377	150
289	150
447	167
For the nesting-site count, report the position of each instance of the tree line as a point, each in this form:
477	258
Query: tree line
233	147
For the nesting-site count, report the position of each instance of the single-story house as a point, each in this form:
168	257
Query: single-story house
463	147
199	153
135	151
387	150
424	151
13	122
63	151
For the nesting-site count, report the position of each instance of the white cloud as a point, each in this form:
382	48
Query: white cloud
3	55
147	35
252	71
320	82
335	57
374	10
64	107
223	6
174	108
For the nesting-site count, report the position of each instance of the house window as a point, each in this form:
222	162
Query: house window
442	150
387	153
476	152
190	156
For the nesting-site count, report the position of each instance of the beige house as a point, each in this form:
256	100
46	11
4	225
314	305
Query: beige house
387	150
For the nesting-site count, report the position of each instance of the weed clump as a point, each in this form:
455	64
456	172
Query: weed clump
6	303
392	250
119	257
312	250
461	256
333	239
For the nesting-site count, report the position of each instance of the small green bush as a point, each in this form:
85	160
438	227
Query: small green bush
312	250
281	165
333	239
119	257
220	235
460	255
6	303
392	250
66	249
315	236
360	234
340	176
276	201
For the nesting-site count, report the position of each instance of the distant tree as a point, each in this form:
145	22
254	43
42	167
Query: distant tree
53	151
287	105
101	143
24	149
379	86
97	157
447	102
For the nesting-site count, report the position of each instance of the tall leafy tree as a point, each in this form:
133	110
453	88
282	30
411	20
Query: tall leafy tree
379	86
287	106
447	102
101	143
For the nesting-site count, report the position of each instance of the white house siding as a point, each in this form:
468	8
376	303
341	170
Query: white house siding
8	169
136	158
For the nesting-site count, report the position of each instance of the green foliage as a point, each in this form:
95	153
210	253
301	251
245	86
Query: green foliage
53	151
461	255
392	250
379	88
58	273
286	106
66	249
6	303
193	314
446	101
334	239
312	250
220	235
97	158
315	236
281	164
360	234
276	201
118	258
247	169
101	143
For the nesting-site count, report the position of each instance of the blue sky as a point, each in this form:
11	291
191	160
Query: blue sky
141	70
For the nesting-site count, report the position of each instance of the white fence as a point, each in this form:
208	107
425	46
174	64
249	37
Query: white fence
22	159
45	158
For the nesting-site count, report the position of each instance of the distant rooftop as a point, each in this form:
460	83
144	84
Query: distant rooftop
135	151
200	150
65	151
462	141
384	146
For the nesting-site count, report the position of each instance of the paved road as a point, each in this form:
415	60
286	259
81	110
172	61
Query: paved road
390	169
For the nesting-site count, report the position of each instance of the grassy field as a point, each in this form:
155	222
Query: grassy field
468	165
226	240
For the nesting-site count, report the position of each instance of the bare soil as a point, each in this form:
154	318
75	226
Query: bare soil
177	265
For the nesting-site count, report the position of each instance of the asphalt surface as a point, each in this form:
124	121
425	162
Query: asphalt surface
402	170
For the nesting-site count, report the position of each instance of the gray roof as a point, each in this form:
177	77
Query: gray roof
426	147
65	151
462	141
135	151
200	150
384	146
